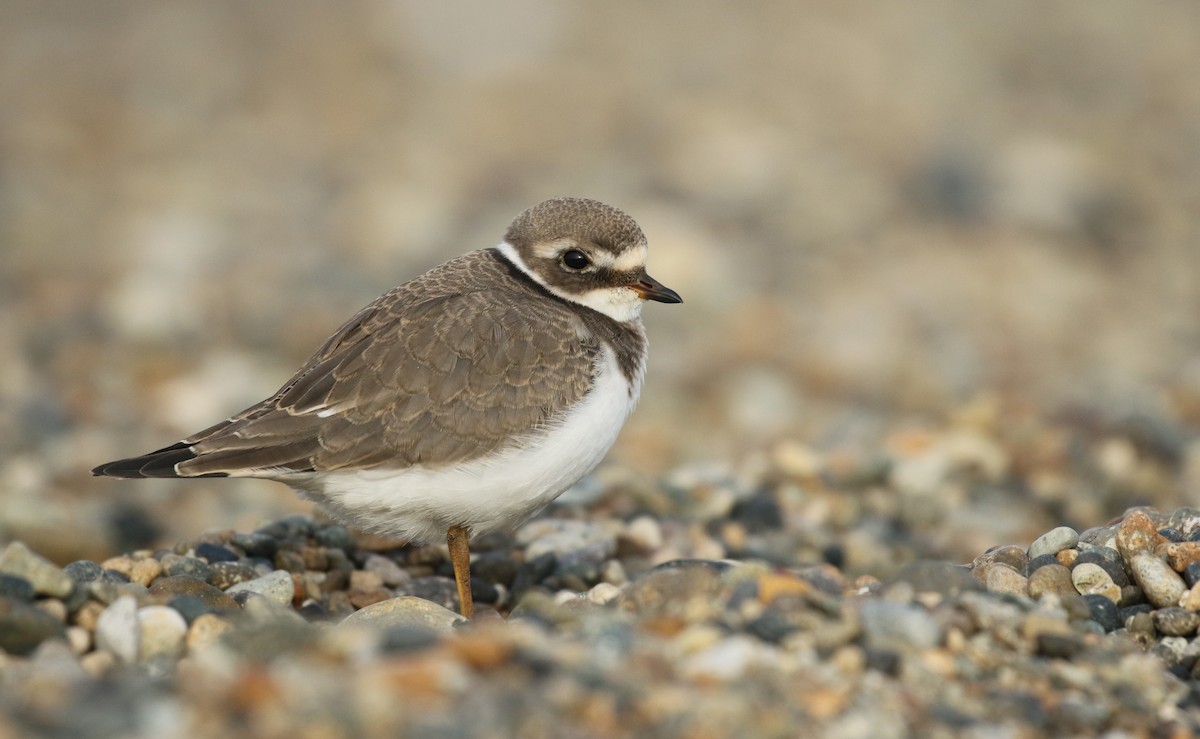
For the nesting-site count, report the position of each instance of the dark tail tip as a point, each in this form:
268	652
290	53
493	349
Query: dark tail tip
155	464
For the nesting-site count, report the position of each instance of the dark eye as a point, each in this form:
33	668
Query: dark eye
575	259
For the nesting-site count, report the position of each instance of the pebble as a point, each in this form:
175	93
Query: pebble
16	587
277	586
404	611
1002	578
1136	534
569	541
24	626
186	586
1054	541
1162	586
1054	579
161	633
897	626
145	571
117	629
45	577
1176	621
393	575
1092	579
205	631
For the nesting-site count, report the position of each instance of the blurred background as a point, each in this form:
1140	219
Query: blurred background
902	231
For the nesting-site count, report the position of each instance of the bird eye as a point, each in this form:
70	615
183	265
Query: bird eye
575	259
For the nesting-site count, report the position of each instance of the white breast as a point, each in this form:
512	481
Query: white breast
418	504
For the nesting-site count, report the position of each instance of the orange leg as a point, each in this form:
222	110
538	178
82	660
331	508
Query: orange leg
460	557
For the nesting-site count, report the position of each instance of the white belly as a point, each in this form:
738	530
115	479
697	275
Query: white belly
418	504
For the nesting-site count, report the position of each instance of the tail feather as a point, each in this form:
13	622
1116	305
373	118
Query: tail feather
161	463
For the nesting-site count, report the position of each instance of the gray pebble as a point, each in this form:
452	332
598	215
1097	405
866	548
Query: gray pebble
392	574
1054	541
278	586
899	626
46	577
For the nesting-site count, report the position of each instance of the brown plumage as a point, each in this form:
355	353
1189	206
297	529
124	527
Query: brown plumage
463	400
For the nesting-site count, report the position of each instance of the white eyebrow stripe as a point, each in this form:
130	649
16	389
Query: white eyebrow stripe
631	260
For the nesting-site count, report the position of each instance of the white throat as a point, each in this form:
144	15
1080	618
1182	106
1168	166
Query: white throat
621	304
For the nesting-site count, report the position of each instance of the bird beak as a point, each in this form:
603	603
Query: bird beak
649	288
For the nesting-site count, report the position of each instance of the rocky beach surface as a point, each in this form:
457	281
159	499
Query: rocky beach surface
797	595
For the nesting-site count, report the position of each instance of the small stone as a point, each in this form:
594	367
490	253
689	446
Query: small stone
205	631
256	544
278	586
1181	555
98	663
1136	534
187	586
1039	562
1051	579
1008	554
161	633
121	563
365	580
335	536
686	588
758	513
145	571
1176	621
391	574
1103	611
1067	557
117	629
569	541
1092	579
1000	578
1044	622
405	611
1054	541
644	534
197	568
228	574
213	553
1162	585
942	578
603	593
1109	560
16	587
23	627
1191	574
1191	599
83	571
79	639
45	577
897	626
54	608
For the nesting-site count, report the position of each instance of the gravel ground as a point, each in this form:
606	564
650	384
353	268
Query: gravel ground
795	598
